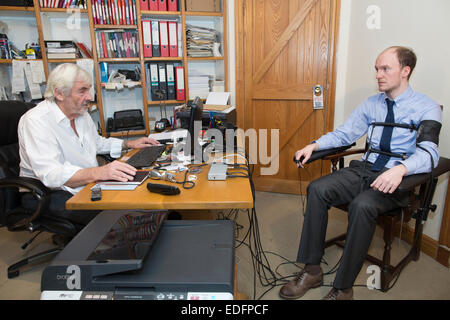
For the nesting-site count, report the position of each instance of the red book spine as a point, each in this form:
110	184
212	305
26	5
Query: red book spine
105	48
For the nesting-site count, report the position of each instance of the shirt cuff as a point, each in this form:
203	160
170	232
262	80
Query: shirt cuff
116	148
68	171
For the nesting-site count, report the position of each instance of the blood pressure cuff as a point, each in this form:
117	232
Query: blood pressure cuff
429	131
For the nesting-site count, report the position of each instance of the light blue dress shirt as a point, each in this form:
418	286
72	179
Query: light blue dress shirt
410	108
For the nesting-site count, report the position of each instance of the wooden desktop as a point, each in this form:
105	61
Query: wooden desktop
234	193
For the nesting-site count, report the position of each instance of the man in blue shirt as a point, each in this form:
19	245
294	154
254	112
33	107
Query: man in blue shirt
368	187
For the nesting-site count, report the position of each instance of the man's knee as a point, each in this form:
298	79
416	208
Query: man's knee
316	186
363	208
323	188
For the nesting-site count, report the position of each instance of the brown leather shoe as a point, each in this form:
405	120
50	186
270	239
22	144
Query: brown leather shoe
297	288
336	294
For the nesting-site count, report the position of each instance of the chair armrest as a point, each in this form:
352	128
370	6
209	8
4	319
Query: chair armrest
410	182
335	152
39	191
30	184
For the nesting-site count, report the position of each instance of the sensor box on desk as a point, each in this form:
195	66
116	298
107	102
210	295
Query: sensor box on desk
218	171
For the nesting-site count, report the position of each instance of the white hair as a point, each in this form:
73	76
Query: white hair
63	78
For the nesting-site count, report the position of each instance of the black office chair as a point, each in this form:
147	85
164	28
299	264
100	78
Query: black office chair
421	189
12	214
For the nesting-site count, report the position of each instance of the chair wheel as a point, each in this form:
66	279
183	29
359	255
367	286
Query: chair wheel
13	274
60	240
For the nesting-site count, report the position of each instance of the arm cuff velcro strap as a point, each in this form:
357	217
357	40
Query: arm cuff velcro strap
429	131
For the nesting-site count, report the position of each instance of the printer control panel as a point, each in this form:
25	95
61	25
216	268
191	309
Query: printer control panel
135	295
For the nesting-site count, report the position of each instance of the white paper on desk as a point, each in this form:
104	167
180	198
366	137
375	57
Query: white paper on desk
181	133
226	111
218	98
118	187
18	77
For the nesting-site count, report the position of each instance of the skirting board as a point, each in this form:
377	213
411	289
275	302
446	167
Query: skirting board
429	246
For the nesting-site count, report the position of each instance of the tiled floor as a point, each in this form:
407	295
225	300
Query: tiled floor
280	222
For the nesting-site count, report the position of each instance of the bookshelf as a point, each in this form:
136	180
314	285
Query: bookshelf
151	109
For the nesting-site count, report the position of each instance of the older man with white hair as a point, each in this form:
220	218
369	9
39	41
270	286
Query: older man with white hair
59	142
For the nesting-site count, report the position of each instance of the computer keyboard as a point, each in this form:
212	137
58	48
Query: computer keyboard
146	156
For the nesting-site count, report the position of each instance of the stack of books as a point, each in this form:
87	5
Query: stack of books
117	44
198	86
4	47
114	12
200	41
81	4
67	50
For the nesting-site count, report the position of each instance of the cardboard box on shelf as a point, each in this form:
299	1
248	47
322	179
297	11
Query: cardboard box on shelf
203	5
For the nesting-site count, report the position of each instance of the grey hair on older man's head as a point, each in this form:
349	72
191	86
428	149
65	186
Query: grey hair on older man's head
63	78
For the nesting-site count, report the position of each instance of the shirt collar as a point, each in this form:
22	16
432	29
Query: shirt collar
408	93
60	117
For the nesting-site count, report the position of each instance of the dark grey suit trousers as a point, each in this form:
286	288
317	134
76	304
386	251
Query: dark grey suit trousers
350	185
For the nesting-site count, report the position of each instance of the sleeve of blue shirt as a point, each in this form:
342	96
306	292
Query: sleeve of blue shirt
353	128
419	161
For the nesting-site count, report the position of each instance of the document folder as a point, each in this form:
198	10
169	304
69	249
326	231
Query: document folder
155	39
162	5
153	5
144	4
171	94
173	41
164	38
147	38
180	83
172	5
154	81
162	80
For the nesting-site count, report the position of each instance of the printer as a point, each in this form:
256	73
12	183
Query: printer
141	256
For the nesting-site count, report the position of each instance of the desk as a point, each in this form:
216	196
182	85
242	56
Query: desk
234	193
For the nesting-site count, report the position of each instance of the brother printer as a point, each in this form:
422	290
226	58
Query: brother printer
141	255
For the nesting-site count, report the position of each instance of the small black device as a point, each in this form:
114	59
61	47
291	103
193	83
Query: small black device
146	156
162	124
126	120
299	160
163	189
133	75
96	193
195	117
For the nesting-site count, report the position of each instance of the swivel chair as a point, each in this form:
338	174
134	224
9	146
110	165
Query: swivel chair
421	189
12	214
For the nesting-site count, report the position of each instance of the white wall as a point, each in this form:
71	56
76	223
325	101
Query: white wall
421	25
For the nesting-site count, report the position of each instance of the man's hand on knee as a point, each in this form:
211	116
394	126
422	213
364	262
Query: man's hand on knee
388	181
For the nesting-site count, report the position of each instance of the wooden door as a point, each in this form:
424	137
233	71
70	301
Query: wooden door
284	49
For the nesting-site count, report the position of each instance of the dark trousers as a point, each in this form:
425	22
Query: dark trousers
350	185
57	208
